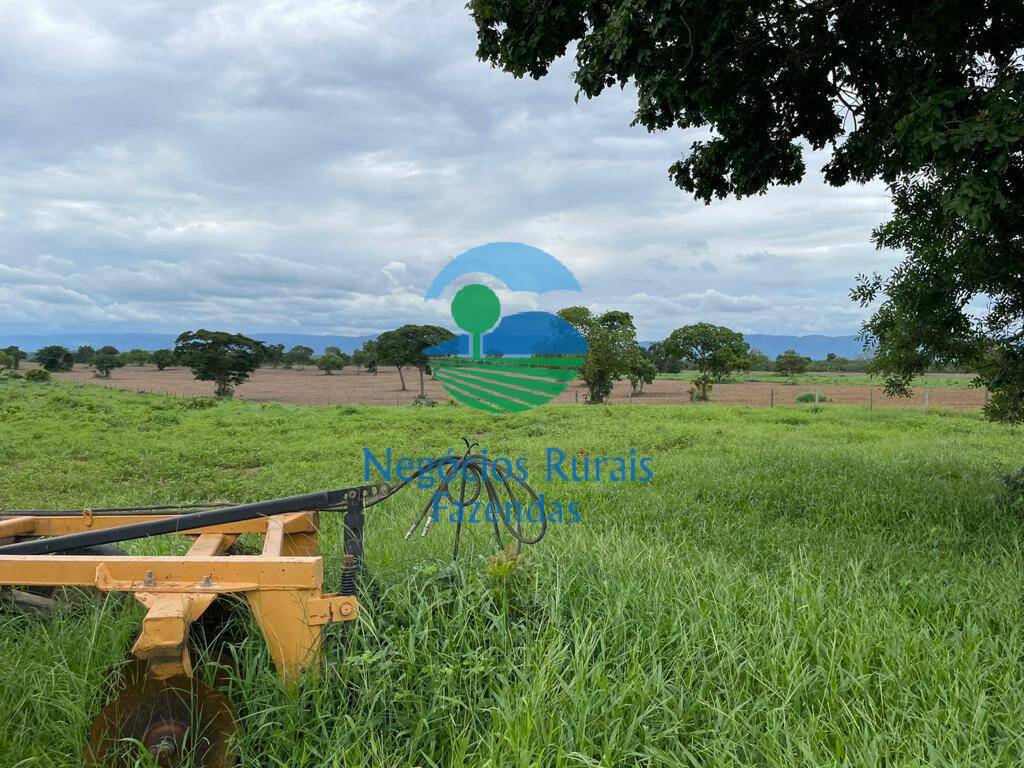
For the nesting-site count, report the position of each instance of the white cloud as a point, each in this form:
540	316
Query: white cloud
284	165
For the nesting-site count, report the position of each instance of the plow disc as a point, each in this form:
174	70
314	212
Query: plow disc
177	722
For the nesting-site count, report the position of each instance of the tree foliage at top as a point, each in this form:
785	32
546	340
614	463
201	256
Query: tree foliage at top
105	361
16	355
640	369
224	358
407	346
299	355
163	358
330	362
55	358
713	350
710	349
611	339
792	363
927	97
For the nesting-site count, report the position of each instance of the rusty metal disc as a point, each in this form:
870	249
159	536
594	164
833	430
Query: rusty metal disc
178	722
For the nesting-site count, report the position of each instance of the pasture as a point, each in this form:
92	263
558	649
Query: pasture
308	386
796	586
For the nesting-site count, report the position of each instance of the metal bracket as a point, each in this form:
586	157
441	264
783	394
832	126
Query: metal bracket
328	608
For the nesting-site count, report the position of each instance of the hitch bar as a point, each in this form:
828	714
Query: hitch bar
350	500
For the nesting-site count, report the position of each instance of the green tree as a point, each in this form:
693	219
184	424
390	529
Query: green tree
55	358
333	350
273	355
640	369
300	355
713	350
759	361
792	363
359	358
367	356
832	362
925	98
663	361
224	358
6	360
611	338
136	357
84	354
330	362
105	362
163	358
16	354
107	350
407	346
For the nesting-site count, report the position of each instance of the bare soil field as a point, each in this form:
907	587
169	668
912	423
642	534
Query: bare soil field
311	387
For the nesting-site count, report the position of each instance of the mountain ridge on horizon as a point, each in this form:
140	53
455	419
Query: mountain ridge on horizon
816	346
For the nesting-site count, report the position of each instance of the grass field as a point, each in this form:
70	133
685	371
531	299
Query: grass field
796	587
930	380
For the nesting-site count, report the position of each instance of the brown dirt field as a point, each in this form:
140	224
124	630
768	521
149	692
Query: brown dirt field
311	387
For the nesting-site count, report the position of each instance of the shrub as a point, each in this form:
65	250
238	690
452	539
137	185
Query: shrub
38	374
200	403
701	391
808	397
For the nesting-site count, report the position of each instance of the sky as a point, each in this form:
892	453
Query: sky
311	166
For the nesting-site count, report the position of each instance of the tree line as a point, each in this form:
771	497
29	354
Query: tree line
714	352
228	359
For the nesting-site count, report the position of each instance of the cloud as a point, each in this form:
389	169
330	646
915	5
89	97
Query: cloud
276	164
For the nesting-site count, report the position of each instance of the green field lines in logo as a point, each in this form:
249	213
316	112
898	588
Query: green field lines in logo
506	385
511	363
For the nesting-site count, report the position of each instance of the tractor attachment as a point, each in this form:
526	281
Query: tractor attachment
163	709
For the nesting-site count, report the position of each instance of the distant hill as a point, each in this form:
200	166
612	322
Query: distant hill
151	341
814	346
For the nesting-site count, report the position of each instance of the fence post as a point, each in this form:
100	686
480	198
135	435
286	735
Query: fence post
771	403
926	401
577	393
871	399
986	395
817	397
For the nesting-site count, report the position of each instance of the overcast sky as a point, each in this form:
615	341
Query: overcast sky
310	166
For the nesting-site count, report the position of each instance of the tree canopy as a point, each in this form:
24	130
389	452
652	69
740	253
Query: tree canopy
55	358
407	346
16	354
163	358
640	369
792	363
712	349
611	340
104	362
224	358
367	356
926	97
299	355
330	362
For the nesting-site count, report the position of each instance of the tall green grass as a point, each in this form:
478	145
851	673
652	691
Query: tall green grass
797	586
